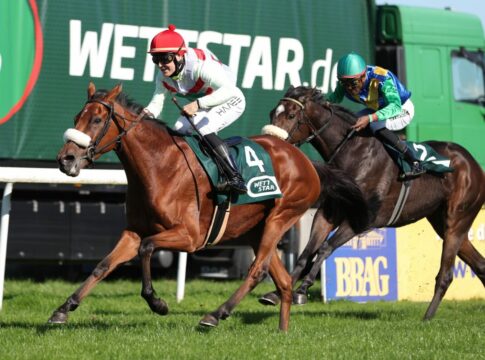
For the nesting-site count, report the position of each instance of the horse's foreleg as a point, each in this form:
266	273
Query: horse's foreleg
125	250
156	304
344	234
320	230
173	239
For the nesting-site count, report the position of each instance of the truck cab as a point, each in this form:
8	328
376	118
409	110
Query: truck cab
439	56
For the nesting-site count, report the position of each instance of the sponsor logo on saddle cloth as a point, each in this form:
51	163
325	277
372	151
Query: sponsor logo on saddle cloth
430	159
253	162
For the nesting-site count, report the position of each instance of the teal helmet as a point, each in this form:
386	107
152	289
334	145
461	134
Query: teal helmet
350	65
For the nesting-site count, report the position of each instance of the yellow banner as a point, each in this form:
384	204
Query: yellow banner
418	261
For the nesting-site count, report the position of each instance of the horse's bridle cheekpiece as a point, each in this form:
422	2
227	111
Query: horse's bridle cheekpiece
84	140
304	121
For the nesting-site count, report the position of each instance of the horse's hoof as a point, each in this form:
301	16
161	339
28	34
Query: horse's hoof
270	299
209	320
58	317
299	299
159	307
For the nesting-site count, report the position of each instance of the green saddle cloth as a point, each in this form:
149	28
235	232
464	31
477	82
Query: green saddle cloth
254	164
430	159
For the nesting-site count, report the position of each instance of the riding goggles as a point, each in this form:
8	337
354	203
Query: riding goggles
164	58
351	83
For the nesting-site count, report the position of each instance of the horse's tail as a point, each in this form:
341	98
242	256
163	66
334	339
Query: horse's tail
341	198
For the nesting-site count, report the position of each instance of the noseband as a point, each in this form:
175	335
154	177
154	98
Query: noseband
92	150
303	120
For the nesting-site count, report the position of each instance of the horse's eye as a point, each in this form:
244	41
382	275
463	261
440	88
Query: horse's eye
96	120
291	116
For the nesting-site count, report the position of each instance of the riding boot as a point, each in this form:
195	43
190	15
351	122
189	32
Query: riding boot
390	138
234	179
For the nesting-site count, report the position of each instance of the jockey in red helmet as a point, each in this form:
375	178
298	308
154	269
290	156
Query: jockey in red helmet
215	100
387	101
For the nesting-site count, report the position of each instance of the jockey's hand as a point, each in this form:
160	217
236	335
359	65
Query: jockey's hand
191	108
361	123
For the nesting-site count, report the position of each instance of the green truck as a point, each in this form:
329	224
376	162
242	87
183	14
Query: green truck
51	49
439	55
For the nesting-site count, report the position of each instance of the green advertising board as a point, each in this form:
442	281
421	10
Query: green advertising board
51	49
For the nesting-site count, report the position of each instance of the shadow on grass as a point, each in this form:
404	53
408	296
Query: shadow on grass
45	327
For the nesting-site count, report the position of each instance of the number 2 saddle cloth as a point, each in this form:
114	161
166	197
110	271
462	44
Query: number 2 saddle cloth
430	159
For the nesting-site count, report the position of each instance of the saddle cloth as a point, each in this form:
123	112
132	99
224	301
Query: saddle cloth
253	162
430	159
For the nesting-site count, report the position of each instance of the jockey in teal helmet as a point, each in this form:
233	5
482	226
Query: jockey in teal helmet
387	101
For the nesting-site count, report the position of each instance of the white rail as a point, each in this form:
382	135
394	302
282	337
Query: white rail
12	175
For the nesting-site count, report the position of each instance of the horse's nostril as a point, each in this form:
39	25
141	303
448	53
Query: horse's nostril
66	159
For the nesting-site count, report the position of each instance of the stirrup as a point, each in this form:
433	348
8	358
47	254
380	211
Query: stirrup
417	169
233	185
237	184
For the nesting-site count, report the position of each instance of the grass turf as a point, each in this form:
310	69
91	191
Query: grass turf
114	322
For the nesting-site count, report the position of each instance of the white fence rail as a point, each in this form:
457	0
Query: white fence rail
12	175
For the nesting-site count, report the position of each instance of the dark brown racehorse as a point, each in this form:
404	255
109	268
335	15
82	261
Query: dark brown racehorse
449	201
169	199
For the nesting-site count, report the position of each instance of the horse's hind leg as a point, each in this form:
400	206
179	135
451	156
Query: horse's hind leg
124	251
320	230
467	252
451	245
473	258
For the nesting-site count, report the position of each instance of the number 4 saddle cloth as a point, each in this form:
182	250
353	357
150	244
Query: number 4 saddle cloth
253	162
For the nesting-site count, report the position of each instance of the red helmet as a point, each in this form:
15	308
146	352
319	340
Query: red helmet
168	41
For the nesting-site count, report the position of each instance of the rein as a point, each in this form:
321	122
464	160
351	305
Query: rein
316	132
92	150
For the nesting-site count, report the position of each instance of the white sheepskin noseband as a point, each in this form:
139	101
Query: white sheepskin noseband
275	131
77	137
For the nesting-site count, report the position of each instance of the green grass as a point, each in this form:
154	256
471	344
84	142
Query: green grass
114	322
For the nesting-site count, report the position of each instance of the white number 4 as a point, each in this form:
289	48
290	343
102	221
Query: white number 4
252	159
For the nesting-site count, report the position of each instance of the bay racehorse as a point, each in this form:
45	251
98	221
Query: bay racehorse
169	198
449	201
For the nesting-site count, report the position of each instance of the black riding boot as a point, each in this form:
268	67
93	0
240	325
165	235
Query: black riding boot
390	138
227	163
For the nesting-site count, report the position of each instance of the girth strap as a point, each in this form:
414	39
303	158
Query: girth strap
401	201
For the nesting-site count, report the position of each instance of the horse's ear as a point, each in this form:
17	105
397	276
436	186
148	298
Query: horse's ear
114	92
91	90
290	90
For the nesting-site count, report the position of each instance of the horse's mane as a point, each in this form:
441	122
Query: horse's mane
125	101
318	97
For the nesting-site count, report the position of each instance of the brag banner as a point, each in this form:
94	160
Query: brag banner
363	269
399	264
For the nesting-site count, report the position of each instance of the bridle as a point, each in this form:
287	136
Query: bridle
92	149
303	120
